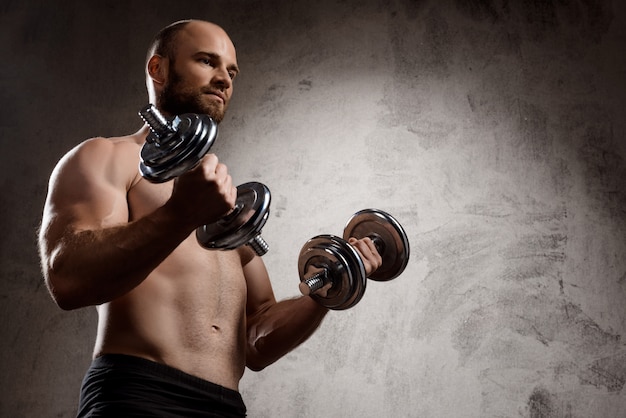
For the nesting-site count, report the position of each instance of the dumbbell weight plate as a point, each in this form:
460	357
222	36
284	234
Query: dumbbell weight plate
241	225
344	268
392	239
162	160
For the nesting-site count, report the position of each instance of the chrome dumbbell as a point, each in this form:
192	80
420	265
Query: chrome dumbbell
331	270
177	145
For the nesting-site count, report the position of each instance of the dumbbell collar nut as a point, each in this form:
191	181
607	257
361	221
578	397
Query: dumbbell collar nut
316	282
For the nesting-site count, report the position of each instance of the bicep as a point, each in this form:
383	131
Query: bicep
260	294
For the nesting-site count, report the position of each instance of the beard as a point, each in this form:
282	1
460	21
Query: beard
177	99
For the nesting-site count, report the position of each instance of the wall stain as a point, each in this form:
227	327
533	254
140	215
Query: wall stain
540	404
550	247
530	311
543	404
305	85
608	372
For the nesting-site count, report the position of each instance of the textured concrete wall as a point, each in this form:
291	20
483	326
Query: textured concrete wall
493	130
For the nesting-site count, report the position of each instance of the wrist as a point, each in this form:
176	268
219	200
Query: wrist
315	306
173	220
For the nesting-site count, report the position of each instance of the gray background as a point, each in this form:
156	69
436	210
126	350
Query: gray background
493	130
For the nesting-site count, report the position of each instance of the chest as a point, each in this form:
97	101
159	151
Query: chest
194	270
144	197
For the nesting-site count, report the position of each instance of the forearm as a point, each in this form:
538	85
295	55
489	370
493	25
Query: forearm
281	328
91	267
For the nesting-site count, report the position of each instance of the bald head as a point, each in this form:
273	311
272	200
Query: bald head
164	42
191	58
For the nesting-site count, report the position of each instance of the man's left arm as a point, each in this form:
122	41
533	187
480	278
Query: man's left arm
276	328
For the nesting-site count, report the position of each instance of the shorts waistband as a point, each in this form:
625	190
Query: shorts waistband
128	362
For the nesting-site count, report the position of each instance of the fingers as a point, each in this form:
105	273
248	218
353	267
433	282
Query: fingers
229	190
206	192
224	183
213	170
217	173
368	252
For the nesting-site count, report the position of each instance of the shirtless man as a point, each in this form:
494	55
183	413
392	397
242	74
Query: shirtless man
177	324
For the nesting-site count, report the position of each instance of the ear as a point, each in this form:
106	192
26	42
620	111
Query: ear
157	69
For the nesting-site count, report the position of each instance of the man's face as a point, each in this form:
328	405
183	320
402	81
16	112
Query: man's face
200	77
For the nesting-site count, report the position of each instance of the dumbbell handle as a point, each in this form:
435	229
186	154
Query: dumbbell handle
314	283
162	130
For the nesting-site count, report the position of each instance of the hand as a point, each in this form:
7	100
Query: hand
205	193
369	254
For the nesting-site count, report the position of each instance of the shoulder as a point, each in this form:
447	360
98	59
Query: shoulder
115	158
100	148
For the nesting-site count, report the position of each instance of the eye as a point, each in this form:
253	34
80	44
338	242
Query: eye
232	74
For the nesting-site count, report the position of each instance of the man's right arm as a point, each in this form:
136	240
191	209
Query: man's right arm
90	252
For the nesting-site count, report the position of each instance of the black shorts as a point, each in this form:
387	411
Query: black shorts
125	386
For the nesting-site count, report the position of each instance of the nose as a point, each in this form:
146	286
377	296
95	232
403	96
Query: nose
222	78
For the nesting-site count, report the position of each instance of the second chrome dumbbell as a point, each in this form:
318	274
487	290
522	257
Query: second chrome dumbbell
331	270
